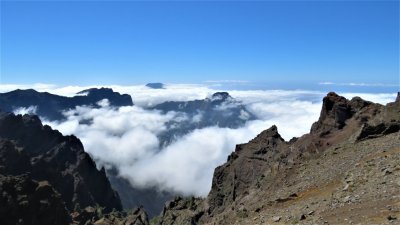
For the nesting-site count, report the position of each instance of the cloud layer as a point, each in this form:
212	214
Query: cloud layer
127	137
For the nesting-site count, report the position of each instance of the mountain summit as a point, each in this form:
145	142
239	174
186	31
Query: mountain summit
220	96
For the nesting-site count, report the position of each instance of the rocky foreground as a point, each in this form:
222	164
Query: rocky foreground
345	171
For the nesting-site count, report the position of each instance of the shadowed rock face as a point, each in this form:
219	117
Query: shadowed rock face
24	201
335	111
182	211
265	165
245	166
51	106
28	146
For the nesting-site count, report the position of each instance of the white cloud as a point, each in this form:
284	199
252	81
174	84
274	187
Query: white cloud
22	110
360	84
187	165
382	98
228	81
127	137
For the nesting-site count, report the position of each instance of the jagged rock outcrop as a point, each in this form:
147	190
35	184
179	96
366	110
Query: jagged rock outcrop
269	178
184	211
51	106
96	216
335	111
28	146
25	201
245	166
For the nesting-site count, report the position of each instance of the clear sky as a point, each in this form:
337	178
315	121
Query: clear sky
130	42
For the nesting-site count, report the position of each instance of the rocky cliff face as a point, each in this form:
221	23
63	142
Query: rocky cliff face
28	146
245	167
309	179
51	106
25	201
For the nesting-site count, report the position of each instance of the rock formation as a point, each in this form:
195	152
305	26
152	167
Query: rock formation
25	201
26	146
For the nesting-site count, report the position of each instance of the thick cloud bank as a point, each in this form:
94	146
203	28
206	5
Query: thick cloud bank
127	137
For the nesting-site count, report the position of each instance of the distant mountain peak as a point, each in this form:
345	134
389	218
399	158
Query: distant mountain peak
220	96
156	85
95	91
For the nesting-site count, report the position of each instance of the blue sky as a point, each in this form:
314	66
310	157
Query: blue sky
287	43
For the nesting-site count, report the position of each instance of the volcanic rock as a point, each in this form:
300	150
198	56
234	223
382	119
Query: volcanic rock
25	201
61	160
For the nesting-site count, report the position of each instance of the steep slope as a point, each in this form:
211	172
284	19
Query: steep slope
335	168
51	106
25	201
26	146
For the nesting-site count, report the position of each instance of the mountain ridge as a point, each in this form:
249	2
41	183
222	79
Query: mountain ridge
51	106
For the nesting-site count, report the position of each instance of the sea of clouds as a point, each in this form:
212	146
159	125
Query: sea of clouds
126	137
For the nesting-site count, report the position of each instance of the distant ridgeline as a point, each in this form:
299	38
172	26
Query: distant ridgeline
219	110
51	106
